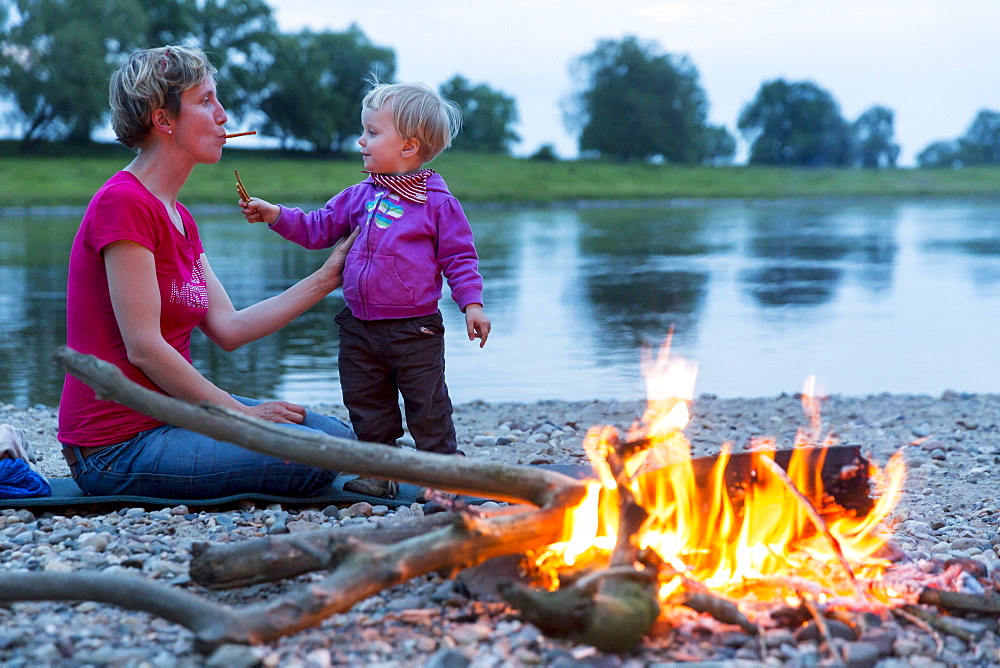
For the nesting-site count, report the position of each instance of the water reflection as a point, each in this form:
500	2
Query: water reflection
869	295
781	285
32	306
646	270
805	251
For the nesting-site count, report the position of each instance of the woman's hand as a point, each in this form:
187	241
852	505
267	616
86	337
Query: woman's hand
334	265
276	411
230	328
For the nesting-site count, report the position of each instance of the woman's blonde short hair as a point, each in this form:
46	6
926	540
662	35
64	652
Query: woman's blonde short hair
149	80
418	111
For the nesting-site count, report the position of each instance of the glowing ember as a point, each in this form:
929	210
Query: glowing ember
778	537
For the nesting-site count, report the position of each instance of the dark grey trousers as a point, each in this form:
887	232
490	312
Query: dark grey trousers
382	359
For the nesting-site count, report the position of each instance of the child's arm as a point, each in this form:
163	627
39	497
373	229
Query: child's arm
477	323
257	210
321	228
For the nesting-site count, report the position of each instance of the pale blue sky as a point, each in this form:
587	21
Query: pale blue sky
935	63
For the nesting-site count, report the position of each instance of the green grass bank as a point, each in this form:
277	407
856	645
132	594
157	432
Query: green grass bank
63	179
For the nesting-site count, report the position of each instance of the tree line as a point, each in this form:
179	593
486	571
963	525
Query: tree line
304	88
632	100
635	101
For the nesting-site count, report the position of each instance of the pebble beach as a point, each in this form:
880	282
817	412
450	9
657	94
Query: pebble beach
950	510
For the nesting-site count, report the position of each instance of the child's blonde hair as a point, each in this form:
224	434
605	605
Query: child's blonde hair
418	111
149	80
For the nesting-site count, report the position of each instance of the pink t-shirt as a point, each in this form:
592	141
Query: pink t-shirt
123	210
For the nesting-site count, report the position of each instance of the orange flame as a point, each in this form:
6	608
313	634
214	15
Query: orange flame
778	536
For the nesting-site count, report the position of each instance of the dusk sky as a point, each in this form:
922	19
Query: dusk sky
935	64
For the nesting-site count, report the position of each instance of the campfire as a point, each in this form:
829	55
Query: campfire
743	534
761	538
774	536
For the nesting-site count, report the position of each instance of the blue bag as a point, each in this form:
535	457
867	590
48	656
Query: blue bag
18	480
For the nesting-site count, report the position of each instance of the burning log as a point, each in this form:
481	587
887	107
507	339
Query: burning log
817	522
613	618
843	472
611	609
719	608
722	610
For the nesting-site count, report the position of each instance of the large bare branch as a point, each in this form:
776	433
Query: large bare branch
503	482
370	569
361	569
131	592
273	558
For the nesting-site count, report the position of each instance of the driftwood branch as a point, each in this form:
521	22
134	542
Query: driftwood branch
359	568
274	558
987	603
362	569
462	475
369	569
205	618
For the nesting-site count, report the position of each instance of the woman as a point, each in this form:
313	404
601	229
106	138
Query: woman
139	283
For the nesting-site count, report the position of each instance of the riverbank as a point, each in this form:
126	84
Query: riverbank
71	180
949	509
553	431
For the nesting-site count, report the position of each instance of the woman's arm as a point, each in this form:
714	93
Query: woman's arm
231	329
135	298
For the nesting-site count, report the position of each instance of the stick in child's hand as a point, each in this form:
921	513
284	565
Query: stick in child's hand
240	190
240	134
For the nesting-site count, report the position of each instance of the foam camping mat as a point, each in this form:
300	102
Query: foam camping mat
66	494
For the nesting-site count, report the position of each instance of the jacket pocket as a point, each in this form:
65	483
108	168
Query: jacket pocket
383	286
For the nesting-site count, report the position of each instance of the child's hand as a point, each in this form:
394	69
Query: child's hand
257	210
477	323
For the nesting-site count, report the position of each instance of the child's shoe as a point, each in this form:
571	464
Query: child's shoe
377	487
426	495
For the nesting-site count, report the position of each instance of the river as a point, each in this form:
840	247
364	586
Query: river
869	296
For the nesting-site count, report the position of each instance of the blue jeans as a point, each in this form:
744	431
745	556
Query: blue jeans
174	463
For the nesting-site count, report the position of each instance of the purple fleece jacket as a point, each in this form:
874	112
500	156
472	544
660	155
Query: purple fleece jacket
395	267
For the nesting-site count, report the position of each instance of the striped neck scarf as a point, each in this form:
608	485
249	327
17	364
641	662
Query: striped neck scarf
412	187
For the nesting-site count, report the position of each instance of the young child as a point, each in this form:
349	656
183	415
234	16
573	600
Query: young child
413	232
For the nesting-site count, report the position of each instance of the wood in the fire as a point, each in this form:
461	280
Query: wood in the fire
843	472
